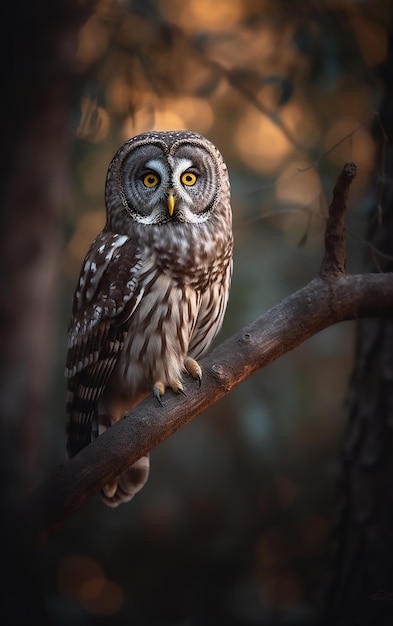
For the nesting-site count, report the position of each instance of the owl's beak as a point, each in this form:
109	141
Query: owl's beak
171	201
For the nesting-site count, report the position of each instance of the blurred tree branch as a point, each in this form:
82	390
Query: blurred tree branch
332	297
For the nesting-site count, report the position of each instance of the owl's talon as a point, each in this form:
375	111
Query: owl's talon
194	369
159	391
177	387
158	397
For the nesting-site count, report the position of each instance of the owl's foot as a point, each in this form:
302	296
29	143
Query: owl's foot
159	389
193	368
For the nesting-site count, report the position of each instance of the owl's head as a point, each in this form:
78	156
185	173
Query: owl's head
163	177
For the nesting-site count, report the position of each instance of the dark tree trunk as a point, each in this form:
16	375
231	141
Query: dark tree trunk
362	589
38	45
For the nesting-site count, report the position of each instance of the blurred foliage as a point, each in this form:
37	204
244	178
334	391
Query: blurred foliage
234	521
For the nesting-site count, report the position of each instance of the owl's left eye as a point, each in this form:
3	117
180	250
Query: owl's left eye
151	180
188	178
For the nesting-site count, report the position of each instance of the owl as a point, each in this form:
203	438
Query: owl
153	288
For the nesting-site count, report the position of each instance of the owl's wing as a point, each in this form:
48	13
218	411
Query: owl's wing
106	296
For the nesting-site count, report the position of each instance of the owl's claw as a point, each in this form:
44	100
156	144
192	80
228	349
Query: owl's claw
177	387
158	391
194	369
181	390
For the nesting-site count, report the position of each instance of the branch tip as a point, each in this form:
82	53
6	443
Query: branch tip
334	260
349	171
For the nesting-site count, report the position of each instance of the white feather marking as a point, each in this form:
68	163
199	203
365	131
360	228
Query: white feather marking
138	299
158	166
118	241
179	166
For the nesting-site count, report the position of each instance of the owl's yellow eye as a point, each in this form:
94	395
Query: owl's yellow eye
150	180
188	178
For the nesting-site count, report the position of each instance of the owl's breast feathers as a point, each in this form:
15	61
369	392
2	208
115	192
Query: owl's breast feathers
137	313
193	255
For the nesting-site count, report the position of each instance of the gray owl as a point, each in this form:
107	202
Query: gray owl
153	288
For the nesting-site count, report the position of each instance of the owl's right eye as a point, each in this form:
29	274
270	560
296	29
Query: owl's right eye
151	180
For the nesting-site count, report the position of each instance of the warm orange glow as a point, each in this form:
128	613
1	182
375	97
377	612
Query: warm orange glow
101	596
262	144
82	579
120	94
139	122
346	142
146	119
93	41
300	121
298	183
183	113
301	204
196	112
266	53
372	39
74	571
197	14
167	119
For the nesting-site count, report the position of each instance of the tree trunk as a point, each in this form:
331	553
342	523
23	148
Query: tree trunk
38	41
362	583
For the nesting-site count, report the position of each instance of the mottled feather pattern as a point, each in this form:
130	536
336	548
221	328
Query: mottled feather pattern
94	339
153	288
100	299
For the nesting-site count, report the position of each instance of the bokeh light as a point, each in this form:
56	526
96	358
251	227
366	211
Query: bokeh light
262	144
82	579
235	517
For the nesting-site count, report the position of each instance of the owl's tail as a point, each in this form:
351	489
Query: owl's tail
127	484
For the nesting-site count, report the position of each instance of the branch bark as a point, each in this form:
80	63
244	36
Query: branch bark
335	257
331	297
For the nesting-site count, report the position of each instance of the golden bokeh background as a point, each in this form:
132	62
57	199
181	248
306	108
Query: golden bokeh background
233	524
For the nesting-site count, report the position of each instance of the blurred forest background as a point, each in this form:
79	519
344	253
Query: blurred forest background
234	523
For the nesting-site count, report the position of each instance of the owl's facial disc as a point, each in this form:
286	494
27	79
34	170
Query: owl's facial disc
161	185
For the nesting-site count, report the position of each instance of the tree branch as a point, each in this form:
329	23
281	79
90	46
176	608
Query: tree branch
335	257
330	298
